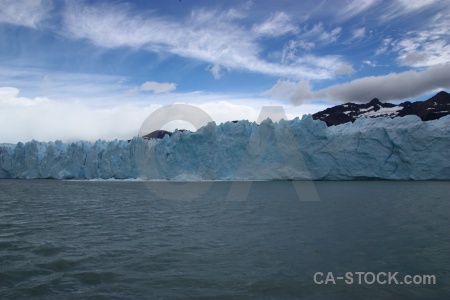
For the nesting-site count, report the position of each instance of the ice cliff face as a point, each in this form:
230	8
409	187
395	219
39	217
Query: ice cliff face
402	148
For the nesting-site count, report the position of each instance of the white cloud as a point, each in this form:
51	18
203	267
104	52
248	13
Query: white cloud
157	87
222	111
296	92
209	36
45	119
394	86
359	33
215	70
296	53
277	25
28	13
419	11
370	63
414	58
415	5
344	70
96	89
8	96
399	8
385	46
319	34
355	7
427	47
291	50
284	89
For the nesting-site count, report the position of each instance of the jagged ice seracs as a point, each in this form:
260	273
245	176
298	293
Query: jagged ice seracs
403	148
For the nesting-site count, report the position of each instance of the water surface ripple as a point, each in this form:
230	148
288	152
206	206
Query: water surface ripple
118	240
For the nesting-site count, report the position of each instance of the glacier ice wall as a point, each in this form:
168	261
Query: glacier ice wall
400	148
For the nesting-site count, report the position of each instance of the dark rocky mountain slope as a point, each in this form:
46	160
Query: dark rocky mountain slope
431	109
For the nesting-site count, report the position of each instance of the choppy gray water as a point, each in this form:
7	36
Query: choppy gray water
118	240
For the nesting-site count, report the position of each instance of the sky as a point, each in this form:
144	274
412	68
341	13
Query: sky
88	70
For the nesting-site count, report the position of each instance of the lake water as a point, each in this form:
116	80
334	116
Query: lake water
120	240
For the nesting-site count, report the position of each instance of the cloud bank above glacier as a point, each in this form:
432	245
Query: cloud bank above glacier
45	119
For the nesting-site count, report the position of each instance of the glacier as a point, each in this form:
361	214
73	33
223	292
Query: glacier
403	148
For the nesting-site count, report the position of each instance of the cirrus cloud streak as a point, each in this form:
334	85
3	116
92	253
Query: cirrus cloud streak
209	36
158	87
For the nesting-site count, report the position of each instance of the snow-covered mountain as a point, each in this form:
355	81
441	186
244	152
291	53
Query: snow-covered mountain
431	109
402	148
